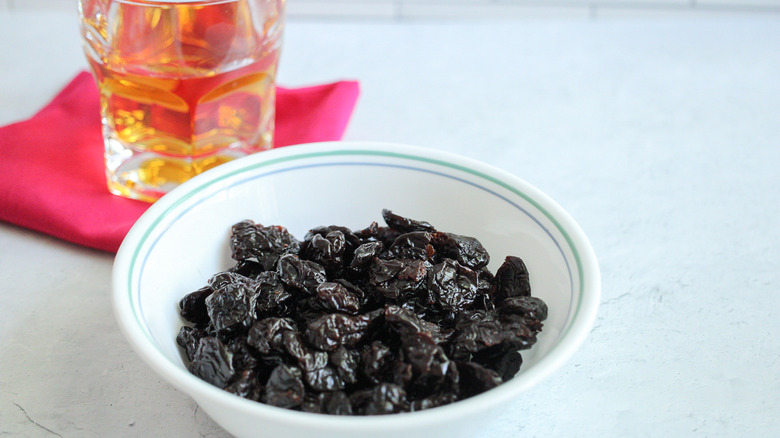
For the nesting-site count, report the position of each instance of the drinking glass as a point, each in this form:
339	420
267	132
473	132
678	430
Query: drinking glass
184	85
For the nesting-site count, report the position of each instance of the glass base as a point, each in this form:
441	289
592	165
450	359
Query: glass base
147	176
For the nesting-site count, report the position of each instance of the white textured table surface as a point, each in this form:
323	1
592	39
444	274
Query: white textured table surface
660	136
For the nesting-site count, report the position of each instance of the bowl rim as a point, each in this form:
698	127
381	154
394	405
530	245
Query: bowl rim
570	339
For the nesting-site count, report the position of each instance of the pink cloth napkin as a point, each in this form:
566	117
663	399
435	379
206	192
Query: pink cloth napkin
52	178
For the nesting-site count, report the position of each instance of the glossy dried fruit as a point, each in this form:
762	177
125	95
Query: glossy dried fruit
406	323
267	334
384	398
212	362
323	379
193	306
526	306
300	274
512	279
414	245
327	250
335	296
453	285
468	251
345	362
504	359
228	308
284	387
269	296
405	225
478	331
246	385
363	255
264	245
476	379
379	321
395	278
335	403
331	331
377	359
189	338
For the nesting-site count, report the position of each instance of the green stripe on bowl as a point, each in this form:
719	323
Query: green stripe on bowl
355	152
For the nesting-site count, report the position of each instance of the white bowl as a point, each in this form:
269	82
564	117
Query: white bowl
183	239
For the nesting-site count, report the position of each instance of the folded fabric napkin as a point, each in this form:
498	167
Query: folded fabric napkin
52	177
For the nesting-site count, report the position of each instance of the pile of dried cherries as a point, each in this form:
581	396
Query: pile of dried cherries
382	320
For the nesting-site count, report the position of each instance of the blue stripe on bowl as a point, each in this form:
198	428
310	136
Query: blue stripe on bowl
154	228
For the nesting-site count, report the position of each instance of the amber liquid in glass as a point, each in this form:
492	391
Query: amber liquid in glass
184	86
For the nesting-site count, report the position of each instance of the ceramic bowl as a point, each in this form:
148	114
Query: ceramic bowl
183	239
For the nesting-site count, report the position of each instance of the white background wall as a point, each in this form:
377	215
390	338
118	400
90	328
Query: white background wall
411	9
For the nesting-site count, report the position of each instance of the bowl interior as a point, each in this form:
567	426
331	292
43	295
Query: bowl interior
183	239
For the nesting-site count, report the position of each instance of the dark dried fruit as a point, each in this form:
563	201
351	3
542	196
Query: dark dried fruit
345	362
267	334
284	387
414	245
300	274
193	306
335	403
379	321
406	323
323	379
512	279
245	385
243	356
293	344
468	251
364	254
377	359
526	306
434	400
189	338
384	398
375	233
351	239
212	362
405	225
477	332
228	279
454	286
329	332
269	296
228	308
519	332
248	268
327	250
335	296
476	379
503	359
395	278
432	370
264	245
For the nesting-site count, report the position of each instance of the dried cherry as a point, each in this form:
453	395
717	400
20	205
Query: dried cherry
386	319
